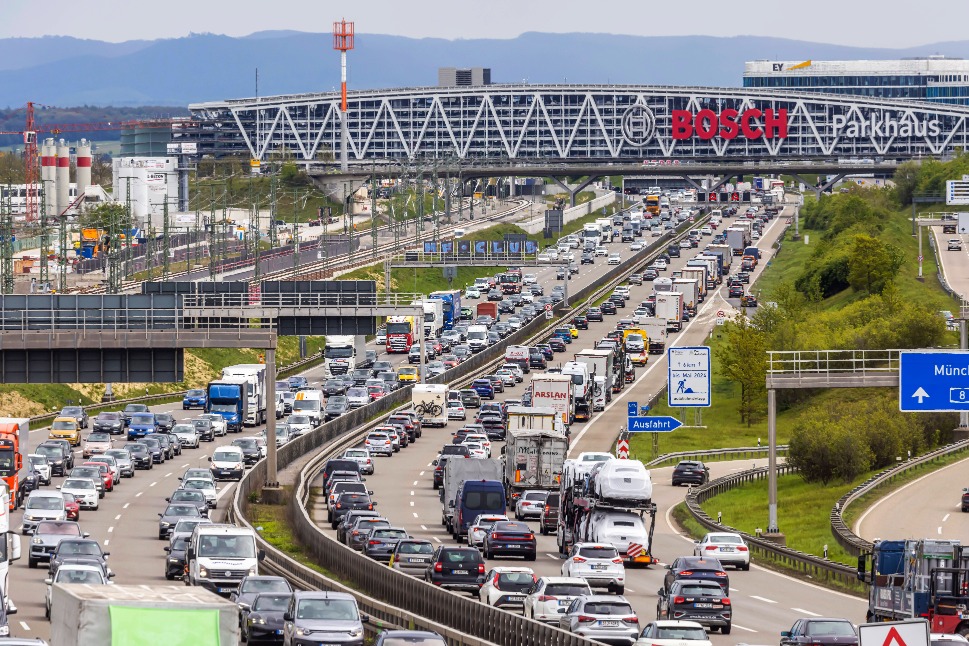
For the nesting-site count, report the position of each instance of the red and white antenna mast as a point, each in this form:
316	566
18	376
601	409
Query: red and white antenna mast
343	42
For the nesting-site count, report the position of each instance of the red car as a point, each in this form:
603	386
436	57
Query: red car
375	392
71	507
450	361
106	476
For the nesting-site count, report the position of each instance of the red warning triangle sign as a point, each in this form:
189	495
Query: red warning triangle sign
893	638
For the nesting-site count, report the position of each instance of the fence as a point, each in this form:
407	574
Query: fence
737	453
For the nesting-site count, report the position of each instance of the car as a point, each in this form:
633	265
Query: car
358	530
186	435
614	259
637	245
955	244
380	543
77	413
379	443
410	555
484	388
47	535
251	452
456	568
594	314
253	585
702	601
557	344
195	398
122	459
743	277
510	538
109	422
824	631
41	506
349	501
206	486
673	632
322	615
104	472
361	457
79	551
141	456
549	596
530	504
505	587
191	497
219	426
77	573
472	293
172	514
41	465
155	448
690	472
695	568
205	428
607	307
600	618
456	410
748	300
335	407
65	428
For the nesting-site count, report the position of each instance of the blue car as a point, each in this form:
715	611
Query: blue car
484	388
296	383
142	424
195	398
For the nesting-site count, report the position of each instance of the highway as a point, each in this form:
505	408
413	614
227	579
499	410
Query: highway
765	602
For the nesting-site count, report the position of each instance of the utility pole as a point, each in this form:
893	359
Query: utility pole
373	209
343	42
295	240
44	242
6	249
166	241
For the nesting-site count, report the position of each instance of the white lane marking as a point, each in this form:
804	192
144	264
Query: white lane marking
415	484
185	466
430	464
940	529
805	612
424	527
110	529
754	596
437	539
415	514
118	517
139	494
106	541
153	484
125	506
23	624
749	630
411	503
552	556
945	518
421	473
734	590
168	474
412	493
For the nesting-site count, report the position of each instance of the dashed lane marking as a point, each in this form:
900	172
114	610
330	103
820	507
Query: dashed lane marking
23	624
139	494
126	505
754	596
749	630
118	517
805	612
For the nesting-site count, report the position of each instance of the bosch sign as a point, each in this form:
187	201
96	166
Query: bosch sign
730	123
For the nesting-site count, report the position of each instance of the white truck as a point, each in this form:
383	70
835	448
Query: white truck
341	353
82	615
430	402
9	552
656	333
691	293
669	306
533	460
534	418
599	363
220	556
581	388
605	224
255	376
433	317
699	274
591	232
554	390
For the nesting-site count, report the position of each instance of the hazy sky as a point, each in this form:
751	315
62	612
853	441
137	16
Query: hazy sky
869	23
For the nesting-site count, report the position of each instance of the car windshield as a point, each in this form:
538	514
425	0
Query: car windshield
98	437
142	419
566	589
389	533
271	602
196	393
615	608
109	417
60	529
515	581
681	632
178	429
415	548
182	510
599	552
240	547
227	456
724	540
64	425
331	609
265	585
50	451
79	548
78	483
37	460
198	484
45	502
223	408
830	629
700	589
65	575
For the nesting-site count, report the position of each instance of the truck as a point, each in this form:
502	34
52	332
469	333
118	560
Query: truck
510	281
451	306
619	361
917	578
691	294
227	397
487	309
455	473
713	264
581	389
433	316
430	402
605	226
14	436
736	238
519	355
141	614
340	354
599	363
710	277
554	390
255	376
652	204
656	331
699	274
669	306
401	334
725	253
635	340
534	418
9	552
532	460
591	232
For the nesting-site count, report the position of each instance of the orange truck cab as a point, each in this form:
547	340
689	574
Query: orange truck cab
13	431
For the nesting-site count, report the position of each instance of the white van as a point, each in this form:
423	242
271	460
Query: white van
310	403
228	463
220	556
459	233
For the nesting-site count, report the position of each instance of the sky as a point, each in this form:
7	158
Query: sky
863	23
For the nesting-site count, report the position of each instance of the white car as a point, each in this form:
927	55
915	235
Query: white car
357	397
84	490
600	251
544	257
660	264
685	244
599	564
379	443
206	486
637	246
569	256
480	527
755	235
516	369
481	439
472	292
39	464
673	632
614	259
621	529
706	231
456	410
381	339
42	505
530	504
505	587
361	457
622	290
74	573
300	424
219	425
726	547
476	451
529	279
551	596
186	434
528	297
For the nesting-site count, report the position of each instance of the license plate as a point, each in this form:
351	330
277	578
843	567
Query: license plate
225	589
598	567
726	549
416	561
609	624
459	572
702	605
512	546
279	632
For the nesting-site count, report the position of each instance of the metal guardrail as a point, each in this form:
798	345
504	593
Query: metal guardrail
817	568
851	542
302	300
736	453
815	362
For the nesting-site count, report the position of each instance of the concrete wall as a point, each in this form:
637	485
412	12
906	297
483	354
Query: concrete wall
536	224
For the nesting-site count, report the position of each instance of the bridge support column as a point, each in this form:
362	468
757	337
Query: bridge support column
578	188
272	493
773	532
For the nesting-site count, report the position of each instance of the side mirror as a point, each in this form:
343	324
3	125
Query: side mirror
364	618
287	616
166	500
208	458
106	554
110	575
434	463
244	606
167	549
49	581
261	555
85	534
450	504
160	515
661	592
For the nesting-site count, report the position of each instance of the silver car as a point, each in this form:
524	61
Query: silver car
412	556
601	618
42	505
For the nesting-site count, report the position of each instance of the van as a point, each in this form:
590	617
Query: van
475	497
219	557
310	403
228	463
519	355
459	233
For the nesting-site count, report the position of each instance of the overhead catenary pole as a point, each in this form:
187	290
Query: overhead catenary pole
343	42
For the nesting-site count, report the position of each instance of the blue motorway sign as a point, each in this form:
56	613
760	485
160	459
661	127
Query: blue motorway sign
632	408
933	381
656	424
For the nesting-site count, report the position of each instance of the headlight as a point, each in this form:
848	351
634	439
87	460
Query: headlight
253	570
238	466
37	541
27	517
302	632
173	561
259	620
356	632
164	524
203	573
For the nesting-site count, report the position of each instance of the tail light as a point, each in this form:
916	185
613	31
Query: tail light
494	537
529	537
617	560
373	542
586	619
630	620
438	567
710	548
495	582
370	506
742	548
725	601
686	573
679	599
481	568
547	509
356	533
339	505
578	559
546	597
720	573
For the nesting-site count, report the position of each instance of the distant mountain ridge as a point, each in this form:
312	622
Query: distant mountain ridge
66	71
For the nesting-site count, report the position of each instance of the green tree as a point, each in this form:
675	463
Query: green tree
106	216
744	360
906	179
872	264
825	450
291	175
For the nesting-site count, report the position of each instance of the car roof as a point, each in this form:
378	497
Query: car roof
322	594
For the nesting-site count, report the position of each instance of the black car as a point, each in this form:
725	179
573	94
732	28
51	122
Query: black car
673	250
109	422
164	421
155	449
204	429
360	376
60	461
494	426
335	465
736	290
743	277
250	449
457	568
546	350
536	359
172	514
594	314
175	561
690	472
618	300
253	585
506	307
168	444
587	258
262	617
510	538
581	323
350	501
334	387
335	406
380	542
557	344
824	631
704	602
650	274
607	307
696	568
454	449
141	457
438	481
81	551
348	521
494	295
